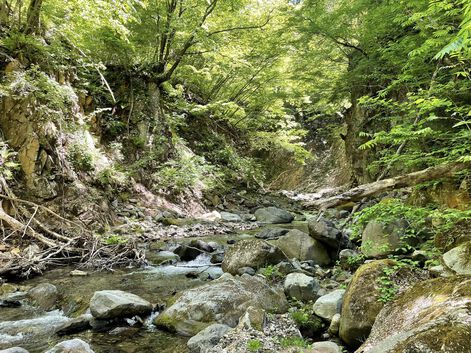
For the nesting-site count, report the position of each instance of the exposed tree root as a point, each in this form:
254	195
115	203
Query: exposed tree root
49	246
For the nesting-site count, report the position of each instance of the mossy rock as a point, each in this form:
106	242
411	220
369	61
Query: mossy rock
432	316
361	303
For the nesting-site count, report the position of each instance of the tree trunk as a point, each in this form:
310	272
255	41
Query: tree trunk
33	17
356	194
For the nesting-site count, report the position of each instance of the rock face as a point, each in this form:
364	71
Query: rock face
325	231
222	301
110	304
458	259
14	350
330	304
273	215
207	338
44	295
72	346
433	316
252	253
299	245
301	287
361	302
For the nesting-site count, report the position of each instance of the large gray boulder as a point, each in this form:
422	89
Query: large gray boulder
14	350
71	346
301	287
207	338
222	301
273	215
110	304
330	304
433	316
299	245
44	295
458	259
326	232
252	253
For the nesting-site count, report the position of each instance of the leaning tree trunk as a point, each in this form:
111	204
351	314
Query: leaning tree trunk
356	194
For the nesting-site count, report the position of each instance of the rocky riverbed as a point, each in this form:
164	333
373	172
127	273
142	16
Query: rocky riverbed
268	281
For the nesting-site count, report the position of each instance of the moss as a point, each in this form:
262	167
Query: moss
441	338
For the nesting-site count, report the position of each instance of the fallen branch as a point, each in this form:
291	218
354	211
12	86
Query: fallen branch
411	179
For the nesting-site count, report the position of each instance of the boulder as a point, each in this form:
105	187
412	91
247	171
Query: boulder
14	350
252	253
76	325
432	316
207	338
110	304
187	252
458	259
363	298
230	217
162	257
334	325
222	301
44	295
330	304
325	347
71	346
271	233
380	240
326	232
301	287
299	245
273	215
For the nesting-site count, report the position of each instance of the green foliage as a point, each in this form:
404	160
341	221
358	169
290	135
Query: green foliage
271	273
387	285
294	342
8	162
390	210
114	239
81	157
254	345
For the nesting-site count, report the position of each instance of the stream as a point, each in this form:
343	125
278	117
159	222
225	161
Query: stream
33	329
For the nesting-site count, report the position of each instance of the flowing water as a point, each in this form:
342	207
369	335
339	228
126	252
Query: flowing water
33	329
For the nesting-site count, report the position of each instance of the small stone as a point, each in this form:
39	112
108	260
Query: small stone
78	273
330	304
207	338
325	347
248	270
302	287
334	325
71	346
14	350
